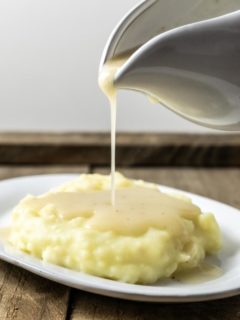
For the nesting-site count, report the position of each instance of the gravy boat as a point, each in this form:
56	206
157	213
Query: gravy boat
186	56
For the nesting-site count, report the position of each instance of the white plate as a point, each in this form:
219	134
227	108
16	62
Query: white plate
12	190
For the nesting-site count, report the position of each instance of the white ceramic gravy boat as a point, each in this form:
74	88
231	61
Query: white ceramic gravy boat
187	57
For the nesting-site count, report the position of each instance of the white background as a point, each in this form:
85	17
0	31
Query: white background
49	56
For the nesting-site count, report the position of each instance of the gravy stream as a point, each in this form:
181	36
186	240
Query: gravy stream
106	84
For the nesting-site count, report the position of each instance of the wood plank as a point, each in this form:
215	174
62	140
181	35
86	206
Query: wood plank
134	149
103	138
7	172
24	295
91	307
27	296
223	185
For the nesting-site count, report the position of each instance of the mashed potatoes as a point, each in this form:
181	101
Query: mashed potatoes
61	227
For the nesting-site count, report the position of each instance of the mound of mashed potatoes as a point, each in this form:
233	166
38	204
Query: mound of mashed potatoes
149	237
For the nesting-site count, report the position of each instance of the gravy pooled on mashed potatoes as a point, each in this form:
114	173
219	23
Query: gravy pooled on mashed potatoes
147	236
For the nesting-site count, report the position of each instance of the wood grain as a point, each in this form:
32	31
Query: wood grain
139	149
18	171
27	296
24	295
91	307
130	139
223	185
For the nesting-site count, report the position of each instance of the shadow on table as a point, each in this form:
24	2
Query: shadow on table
91	306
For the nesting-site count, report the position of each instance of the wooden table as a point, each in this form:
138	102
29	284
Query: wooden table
207	165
